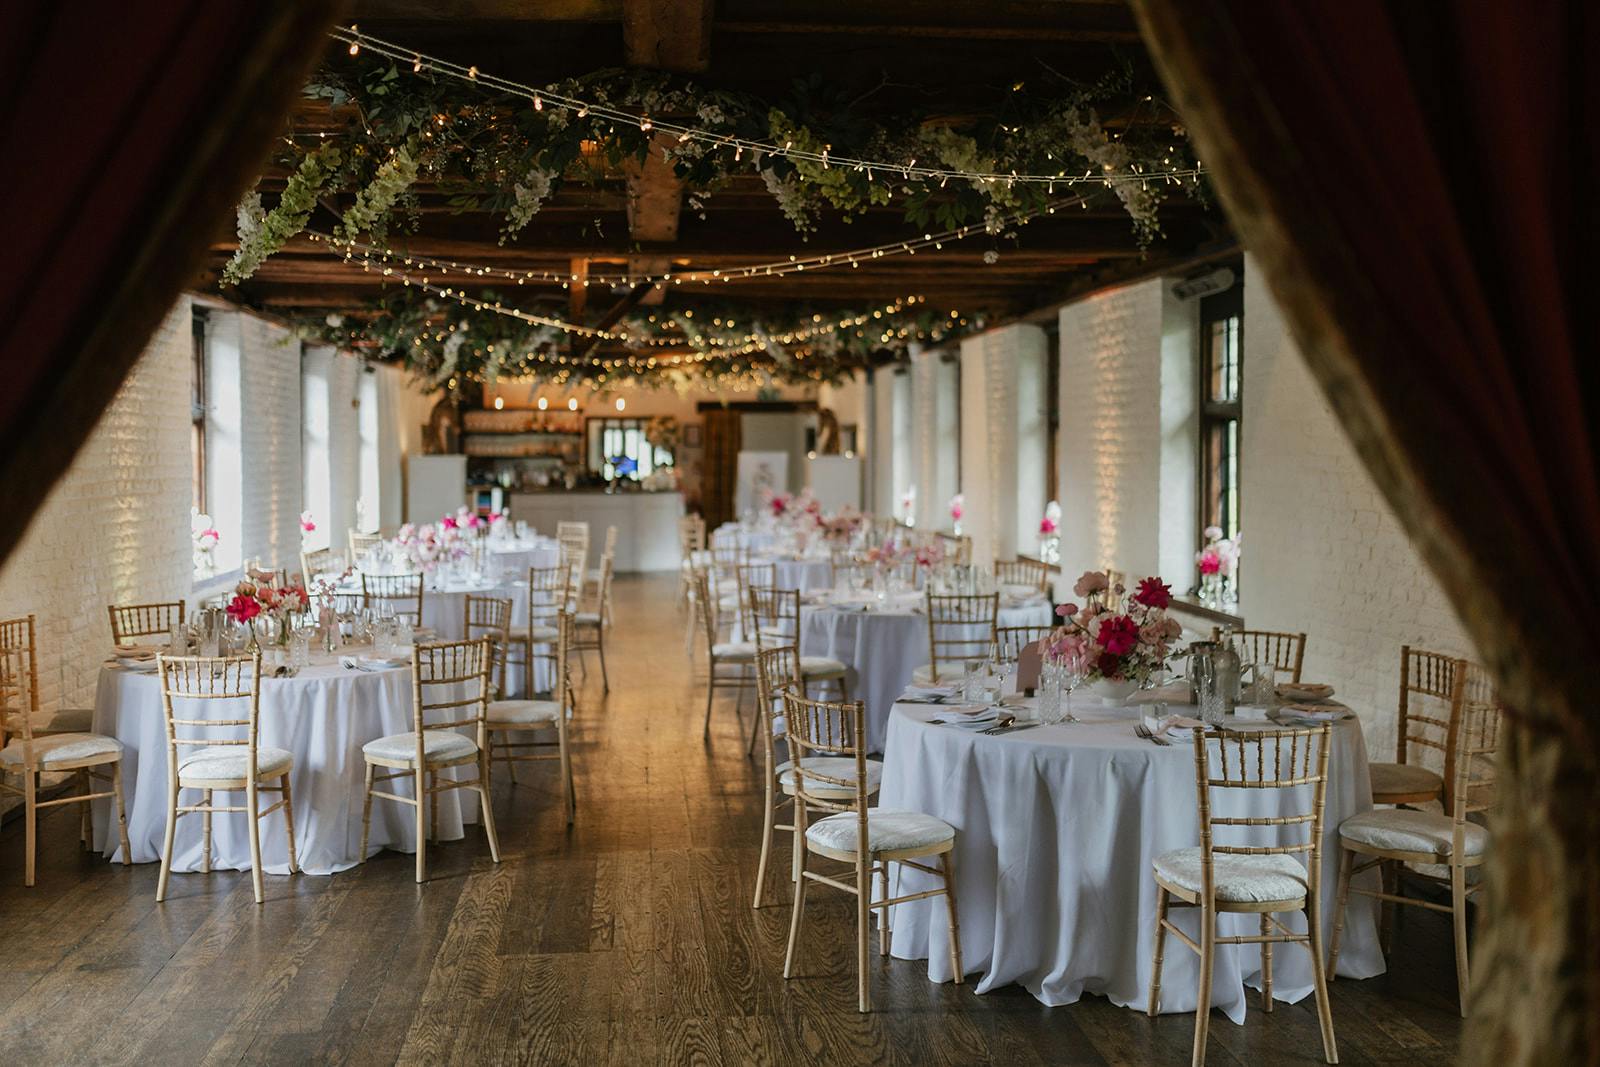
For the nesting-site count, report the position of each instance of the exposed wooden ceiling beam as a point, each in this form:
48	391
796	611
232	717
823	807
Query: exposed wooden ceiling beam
670	35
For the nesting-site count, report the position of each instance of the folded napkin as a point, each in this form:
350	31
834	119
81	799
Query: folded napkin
1306	692
136	651
1182	728
1178	692
1315	713
930	691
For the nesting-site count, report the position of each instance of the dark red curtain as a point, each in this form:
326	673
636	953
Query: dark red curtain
1417	181
127	132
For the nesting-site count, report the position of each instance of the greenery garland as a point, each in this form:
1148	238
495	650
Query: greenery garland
499	153
444	344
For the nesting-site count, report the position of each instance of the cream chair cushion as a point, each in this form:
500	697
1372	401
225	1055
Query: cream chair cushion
524	711
821	667
887	831
231	762
833	767
438	746
1403	830
735	650
1238	879
1403	779
62	748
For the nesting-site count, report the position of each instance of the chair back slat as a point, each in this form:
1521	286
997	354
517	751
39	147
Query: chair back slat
402	591
1473	788
144	620
1023	571
447	675
961	628
1427	709
777	673
827	728
490	617
19	683
1011	640
197	680
774	616
1285	652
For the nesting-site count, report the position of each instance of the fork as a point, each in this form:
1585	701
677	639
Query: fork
1145	732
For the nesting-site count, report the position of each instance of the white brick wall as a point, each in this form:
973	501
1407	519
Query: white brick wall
116	527
1322	551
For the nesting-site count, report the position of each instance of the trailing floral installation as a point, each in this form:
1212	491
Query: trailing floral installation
506	152
444	345
1125	646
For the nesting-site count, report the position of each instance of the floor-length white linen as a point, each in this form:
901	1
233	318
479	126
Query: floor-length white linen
322	717
883	648
1056	827
806	573
513	558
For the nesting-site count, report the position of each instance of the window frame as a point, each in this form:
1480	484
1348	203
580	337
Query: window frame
1215	416
594	430
199	399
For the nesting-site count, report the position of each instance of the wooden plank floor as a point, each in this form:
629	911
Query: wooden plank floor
628	940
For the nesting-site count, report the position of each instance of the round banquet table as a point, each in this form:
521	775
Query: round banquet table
513	558
883	645
1056	828
322	717
805	573
753	538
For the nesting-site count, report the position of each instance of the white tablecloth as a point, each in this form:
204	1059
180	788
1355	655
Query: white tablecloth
805	574
883	647
1056	827
512	558
322	717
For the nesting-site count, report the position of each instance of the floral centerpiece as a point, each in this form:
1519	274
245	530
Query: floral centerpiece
930	555
1050	533
426	547
1120	648
279	605
842	528
1218	562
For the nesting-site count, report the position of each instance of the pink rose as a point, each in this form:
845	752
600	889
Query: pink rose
1066	611
1090	583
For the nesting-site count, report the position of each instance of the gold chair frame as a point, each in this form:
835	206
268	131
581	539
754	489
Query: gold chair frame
144	620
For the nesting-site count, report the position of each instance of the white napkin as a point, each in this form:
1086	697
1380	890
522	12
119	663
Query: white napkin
926	691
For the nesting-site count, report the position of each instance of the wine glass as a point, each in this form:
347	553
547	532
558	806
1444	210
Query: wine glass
1074	670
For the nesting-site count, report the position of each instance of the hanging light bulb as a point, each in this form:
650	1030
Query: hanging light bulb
572	404
499	403
621	404
543	403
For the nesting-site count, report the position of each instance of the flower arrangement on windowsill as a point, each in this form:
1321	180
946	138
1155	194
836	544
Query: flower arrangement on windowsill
1218	563
206	539
1124	649
1050	534
958	508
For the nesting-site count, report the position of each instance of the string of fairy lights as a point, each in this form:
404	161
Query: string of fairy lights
853	258
756	149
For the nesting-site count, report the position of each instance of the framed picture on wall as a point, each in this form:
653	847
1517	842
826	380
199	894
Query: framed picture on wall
691	435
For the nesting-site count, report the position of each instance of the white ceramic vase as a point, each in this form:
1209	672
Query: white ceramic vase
1111	692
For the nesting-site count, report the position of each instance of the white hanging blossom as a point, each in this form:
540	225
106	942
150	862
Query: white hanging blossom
528	196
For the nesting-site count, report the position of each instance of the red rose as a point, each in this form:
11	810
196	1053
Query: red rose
1108	665
243	608
1118	635
1153	593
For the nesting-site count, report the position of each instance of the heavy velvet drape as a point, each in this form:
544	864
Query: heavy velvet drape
127	132
1416	181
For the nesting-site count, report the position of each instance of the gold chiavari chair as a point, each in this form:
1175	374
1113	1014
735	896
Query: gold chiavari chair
548	589
591	580
439	672
747	576
19	637
774	618
402	591
589	629
144	620
778	672
506	719
489	616
1285	652
317	561
726	559
572	529
85	756
1032	573
720	655
574	557
1245	877
1427	722
691	542
961	629
1011	640
828	746
361	542
197	759
1111	599
1457	838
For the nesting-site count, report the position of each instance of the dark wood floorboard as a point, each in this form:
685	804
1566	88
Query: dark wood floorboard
628	939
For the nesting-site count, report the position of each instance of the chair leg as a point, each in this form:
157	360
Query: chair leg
1347	862
1163	900
798	909
883	909
122	813
1202	1005
947	864
711	691
510	757
1319	976
252	812
1266	963
30	816
600	649
288	823
863	929
488	812
769	819
366	813
205	832
433	806
1458	919
568	794
166	847
85	832
1388	908
421	823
